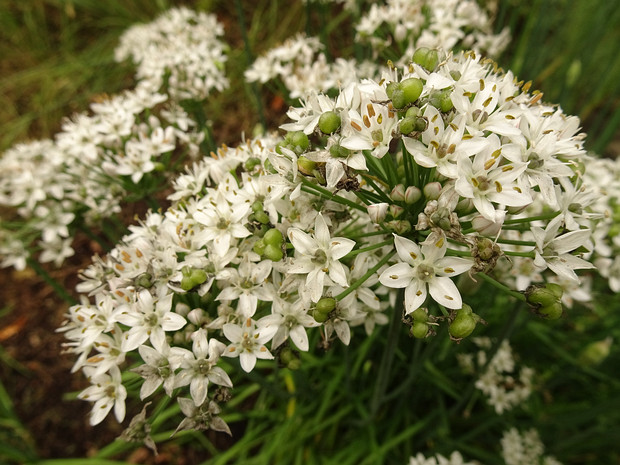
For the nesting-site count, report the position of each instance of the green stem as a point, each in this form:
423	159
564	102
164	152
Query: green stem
519	254
367	249
548	216
500	286
366	275
388	355
325	193
515	242
60	290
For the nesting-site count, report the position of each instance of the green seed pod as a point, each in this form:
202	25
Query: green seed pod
329	122
557	290
541	296
294	364
251	163
187	283
325	305
427	58
445	103
462	327
320	317
259	247
398	98
390	88
419	56
198	277
273	252
407	125
273	237
464	323
298	141
419	330
413	111
262	217
306	166
551	312
144	280
257	206
420	315
338	151
412	89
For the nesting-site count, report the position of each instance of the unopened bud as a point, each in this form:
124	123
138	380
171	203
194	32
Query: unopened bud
487	227
377	212
412	195
398	193
432	190
400	227
396	211
325	305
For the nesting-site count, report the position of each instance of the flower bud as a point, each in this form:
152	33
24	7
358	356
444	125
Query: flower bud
398	193
377	212
412	195
419	330
329	122
487	227
400	227
464	206
413	111
396	211
432	190
390	88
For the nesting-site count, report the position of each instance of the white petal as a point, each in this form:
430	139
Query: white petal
445	292
248	361
415	295
397	276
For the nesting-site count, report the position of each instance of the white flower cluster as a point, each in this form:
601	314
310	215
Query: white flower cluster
434	24
503	387
604	175
98	160
455	459
82	175
301	66
519	449
180	51
389	185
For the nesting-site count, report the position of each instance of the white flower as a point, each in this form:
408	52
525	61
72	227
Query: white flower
106	392
425	268
149	320
553	251
199	368
291	320
248	342
318	257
